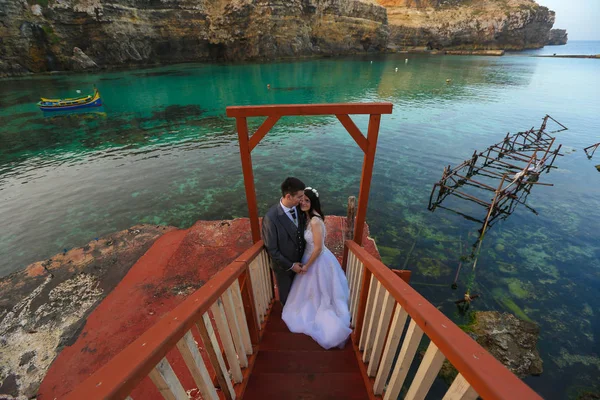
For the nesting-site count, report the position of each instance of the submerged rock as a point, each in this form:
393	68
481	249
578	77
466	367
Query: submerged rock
511	340
588	396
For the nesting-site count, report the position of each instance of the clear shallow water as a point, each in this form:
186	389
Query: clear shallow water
163	152
573	47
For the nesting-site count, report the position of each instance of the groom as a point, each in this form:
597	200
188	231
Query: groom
283	234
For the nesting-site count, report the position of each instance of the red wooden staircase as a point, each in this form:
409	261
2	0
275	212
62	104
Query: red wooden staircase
293	366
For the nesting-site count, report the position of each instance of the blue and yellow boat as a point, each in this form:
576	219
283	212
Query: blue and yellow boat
71	104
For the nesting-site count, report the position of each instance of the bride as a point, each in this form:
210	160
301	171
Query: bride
318	301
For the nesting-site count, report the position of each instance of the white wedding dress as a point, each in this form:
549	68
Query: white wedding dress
318	301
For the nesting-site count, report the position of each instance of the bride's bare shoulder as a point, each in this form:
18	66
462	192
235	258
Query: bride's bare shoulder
316	221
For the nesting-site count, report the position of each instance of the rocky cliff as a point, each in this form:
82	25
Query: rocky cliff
557	37
468	24
47	35
42	36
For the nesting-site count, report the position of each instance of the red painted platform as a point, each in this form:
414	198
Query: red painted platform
293	366
178	263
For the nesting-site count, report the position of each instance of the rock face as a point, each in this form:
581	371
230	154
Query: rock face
511	340
466	24
44	306
81	61
558	37
40	35
135	32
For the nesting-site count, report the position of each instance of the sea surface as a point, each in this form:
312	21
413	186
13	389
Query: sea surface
162	151
577	47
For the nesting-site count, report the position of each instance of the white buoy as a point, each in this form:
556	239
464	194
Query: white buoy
406	61
371	62
78	91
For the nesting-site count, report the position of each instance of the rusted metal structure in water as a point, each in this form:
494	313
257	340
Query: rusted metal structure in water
507	170
499	178
590	150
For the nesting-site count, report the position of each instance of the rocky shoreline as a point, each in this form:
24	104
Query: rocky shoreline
74	35
44	307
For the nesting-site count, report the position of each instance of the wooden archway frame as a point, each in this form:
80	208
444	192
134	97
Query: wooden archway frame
342	111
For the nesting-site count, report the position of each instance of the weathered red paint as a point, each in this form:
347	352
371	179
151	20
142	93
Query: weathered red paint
365	178
144	297
309	109
246	157
177	261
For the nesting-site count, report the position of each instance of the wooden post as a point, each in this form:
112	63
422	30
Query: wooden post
345	258
555	154
350	215
242	128
403	274
362	304
365	179
248	300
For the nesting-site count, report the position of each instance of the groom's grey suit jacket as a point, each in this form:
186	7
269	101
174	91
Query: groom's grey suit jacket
285	244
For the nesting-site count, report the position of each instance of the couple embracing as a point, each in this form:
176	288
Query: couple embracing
312	285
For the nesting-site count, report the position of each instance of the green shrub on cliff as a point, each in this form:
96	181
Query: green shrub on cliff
42	3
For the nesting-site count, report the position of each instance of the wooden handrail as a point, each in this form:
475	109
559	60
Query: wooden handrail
122	373
485	374
281	110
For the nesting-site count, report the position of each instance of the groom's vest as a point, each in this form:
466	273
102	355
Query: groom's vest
300	238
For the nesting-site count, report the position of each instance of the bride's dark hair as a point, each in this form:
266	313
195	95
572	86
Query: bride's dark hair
315	204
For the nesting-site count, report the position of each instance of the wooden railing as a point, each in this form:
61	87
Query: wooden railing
217	329
380	304
226	317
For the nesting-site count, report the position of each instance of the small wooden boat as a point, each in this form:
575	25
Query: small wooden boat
71	104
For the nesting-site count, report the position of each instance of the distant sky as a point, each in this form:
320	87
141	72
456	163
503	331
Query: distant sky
581	18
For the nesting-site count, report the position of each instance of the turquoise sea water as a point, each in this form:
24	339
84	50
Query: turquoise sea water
577	47
163	152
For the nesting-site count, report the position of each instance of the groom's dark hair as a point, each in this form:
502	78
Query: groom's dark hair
291	185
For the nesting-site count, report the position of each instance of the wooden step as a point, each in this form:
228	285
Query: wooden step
306	386
317	362
293	342
276	324
293	366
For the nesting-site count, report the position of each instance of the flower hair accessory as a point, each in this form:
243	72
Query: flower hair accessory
313	190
